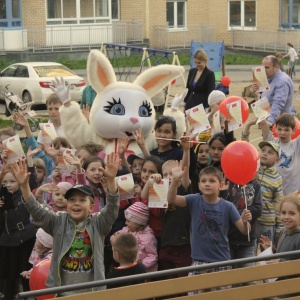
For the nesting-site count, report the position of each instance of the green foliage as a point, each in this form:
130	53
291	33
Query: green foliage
242	59
72	64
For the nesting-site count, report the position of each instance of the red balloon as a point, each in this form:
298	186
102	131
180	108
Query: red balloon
38	277
240	162
294	135
173	81
228	100
225	81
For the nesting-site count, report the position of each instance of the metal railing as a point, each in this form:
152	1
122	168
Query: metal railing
159	274
271	41
170	38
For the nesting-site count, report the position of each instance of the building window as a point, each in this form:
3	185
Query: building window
242	13
81	11
115	4
290	14
176	14
10	13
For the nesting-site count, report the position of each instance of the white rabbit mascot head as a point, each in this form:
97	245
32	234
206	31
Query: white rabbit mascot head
122	107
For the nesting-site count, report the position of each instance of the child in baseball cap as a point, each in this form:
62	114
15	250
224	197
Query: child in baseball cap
269	224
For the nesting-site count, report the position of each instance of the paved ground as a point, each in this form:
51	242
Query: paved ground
240	75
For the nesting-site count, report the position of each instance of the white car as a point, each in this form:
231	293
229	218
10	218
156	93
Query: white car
31	81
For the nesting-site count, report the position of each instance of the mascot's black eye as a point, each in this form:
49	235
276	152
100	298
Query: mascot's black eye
145	110
115	108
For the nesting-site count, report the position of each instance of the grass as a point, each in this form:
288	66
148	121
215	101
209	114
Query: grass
135	60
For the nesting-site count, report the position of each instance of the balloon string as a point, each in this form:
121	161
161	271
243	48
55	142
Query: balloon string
246	207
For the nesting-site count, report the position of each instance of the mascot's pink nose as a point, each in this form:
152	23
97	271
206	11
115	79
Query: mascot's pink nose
134	120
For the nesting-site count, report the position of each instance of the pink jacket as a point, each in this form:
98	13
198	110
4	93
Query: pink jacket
147	253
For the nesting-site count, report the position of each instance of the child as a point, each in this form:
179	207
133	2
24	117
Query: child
53	104
137	216
210	216
249	196
268	224
289	160
136	162
203	160
125	249
175	249
18	234
88	150
217	144
214	100
76	231
289	238
42	250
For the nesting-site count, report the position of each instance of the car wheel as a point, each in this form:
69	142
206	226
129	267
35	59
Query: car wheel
33	127
26	98
17	126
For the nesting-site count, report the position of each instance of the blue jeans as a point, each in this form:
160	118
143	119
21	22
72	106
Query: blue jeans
241	251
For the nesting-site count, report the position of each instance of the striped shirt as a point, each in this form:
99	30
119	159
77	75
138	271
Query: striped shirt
271	191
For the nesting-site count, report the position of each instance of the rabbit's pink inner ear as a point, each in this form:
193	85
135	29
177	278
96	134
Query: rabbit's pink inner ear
102	76
152	82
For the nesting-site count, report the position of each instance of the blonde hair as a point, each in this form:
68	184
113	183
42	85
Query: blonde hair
201	55
168	164
40	164
291	199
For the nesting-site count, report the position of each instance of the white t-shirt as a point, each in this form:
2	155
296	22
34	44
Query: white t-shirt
289	164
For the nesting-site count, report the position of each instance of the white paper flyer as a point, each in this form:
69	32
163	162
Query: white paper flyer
260	78
261	109
158	194
125	185
14	149
48	133
234	115
197	118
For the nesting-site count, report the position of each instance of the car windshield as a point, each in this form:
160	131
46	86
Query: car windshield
52	71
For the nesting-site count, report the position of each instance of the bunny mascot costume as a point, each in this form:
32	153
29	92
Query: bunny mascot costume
119	107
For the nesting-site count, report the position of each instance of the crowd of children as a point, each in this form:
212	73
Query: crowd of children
77	219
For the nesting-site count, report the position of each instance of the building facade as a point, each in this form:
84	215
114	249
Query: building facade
164	23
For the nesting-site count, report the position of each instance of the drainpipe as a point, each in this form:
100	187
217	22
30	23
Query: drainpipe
147	25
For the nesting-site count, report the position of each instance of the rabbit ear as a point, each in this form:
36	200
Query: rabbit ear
100	71
155	79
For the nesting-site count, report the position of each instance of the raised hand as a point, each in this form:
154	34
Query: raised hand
19	170
50	150
185	142
265	242
139	137
177	171
72	160
31	152
177	99
61	89
21	120
86	112
49	188
122	146
154	178
113	163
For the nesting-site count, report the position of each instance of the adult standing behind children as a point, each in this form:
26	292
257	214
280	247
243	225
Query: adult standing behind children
293	58
200	82
281	92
